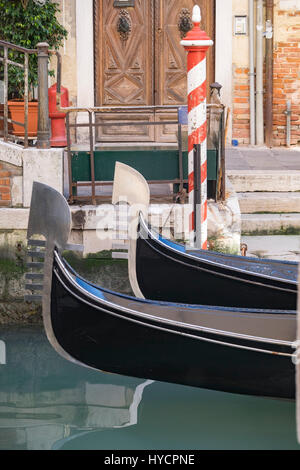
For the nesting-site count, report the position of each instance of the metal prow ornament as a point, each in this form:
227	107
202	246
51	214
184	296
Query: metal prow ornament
49	217
130	187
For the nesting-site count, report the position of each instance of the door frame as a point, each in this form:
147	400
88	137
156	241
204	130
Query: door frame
85	42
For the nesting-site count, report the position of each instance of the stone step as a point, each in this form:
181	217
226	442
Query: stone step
275	202
265	181
268	224
273	247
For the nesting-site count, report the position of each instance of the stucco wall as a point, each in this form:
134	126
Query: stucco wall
67	17
240	44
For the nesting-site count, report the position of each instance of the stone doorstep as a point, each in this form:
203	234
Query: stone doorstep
264	180
276	202
88	219
273	247
17	219
269	223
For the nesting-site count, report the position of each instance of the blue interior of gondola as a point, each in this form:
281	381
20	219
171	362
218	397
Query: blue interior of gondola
99	292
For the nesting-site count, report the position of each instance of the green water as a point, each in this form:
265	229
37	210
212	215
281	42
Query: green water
49	403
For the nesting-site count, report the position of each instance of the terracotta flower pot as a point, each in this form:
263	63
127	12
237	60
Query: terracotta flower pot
16	113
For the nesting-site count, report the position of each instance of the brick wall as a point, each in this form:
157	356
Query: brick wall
5	186
286	87
241	105
286	80
7	174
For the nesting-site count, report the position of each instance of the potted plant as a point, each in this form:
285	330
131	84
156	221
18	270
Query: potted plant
26	23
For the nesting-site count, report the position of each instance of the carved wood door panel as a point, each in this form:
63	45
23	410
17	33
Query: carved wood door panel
124	58
140	62
173	20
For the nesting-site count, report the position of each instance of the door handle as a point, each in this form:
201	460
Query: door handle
185	23
124	25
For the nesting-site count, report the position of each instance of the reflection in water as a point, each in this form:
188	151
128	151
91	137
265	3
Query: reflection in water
49	403
44	398
2	353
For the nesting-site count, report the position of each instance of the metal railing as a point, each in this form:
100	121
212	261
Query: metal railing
43	133
218	141
91	125
220	145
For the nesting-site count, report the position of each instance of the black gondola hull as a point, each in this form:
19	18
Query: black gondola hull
108	340
167	274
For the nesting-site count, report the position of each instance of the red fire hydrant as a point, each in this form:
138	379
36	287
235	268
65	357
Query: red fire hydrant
58	126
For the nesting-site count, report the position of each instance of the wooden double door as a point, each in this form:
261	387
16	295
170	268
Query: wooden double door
140	62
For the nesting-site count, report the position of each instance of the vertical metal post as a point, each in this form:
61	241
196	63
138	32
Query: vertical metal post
5	94
180	161
180	157
259	75
71	199
182	114
288	113
58	81
223	163
252	74
92	157
26	93
269	72
221	179
43	136
197	195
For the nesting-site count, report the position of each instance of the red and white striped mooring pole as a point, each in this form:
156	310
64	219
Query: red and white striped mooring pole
197	44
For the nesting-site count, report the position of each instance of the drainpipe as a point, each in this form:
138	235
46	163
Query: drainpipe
251	72
259	75
269	71
288	114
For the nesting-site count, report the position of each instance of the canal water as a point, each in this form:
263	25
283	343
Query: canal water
48	403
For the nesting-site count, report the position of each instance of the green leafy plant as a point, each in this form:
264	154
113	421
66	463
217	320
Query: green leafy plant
26	23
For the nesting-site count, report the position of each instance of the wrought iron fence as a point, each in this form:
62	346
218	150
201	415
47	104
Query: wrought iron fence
215	137
42	51
216	130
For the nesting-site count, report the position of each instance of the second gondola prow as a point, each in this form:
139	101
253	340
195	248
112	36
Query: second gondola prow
162	269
